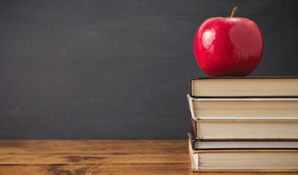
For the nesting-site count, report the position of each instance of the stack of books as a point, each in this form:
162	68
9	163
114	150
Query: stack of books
244	124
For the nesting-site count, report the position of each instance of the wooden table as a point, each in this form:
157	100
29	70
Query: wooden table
84	157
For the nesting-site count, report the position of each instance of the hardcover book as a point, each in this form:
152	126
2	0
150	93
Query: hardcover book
248	86
245	129
229	144
247	118
235	160
243	108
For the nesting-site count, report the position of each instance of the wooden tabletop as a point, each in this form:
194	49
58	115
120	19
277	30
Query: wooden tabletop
86	157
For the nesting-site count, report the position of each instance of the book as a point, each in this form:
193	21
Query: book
243	108
244	144
236	160
248	118
226	144
245	129
248	86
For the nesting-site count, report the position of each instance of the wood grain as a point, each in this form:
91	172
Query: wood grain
88	157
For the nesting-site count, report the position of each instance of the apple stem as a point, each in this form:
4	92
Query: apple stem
234	11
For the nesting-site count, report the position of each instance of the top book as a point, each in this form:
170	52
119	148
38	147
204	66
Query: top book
270	86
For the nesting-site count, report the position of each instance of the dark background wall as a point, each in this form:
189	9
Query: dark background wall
108	69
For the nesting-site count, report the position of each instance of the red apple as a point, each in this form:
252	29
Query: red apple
231	46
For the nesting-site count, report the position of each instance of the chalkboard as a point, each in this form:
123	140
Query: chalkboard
100	69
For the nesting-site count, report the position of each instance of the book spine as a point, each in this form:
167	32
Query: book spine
194	127
189	87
